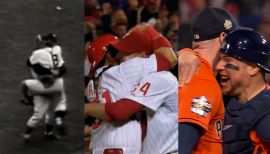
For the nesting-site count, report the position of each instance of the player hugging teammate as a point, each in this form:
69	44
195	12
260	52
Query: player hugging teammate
241	57
46	90
136	95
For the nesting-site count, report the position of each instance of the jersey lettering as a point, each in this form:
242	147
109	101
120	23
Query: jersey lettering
219	128
145	88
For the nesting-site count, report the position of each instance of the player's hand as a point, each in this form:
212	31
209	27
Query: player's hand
188	65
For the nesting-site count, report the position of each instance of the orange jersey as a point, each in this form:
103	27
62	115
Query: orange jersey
260	146
200	102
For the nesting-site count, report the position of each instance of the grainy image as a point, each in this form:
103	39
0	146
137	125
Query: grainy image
21	22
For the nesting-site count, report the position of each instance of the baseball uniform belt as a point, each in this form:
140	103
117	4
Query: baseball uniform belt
118	150
113	151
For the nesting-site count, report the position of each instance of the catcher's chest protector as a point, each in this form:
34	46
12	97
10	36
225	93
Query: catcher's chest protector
240	120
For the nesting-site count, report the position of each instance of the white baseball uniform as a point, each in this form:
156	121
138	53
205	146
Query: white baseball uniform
114	84
158	93
46	98
48	57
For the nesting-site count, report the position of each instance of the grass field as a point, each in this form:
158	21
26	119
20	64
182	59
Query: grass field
20	21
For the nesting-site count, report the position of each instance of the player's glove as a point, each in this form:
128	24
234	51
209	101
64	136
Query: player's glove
47	80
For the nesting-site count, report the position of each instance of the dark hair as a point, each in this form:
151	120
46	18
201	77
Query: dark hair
112	50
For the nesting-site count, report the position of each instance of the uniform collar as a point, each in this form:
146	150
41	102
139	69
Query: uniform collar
234	104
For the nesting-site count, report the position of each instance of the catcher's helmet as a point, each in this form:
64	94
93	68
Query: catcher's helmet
247	45
48	39
97	49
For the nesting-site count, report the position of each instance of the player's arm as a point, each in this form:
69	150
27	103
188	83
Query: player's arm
96	110
140	97
35	87
120	110
166	58
188	65
186	143
148	93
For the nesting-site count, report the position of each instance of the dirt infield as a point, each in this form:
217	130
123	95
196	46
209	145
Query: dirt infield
20	21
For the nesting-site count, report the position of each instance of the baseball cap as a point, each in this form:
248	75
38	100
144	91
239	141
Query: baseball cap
211	21
134	42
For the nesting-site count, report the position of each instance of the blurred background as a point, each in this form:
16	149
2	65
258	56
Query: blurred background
249	13
118	16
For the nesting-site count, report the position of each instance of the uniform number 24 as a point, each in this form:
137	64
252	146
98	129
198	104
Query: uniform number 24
144	88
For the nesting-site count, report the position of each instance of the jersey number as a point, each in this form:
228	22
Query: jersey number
144	89
55	60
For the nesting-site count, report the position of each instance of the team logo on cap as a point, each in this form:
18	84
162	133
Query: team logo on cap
201	106
196	36
228	24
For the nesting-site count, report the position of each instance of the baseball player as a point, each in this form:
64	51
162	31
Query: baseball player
95	52
47	67
244	60
126	75
201	109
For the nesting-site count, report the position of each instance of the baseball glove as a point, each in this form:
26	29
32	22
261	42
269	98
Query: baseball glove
47	80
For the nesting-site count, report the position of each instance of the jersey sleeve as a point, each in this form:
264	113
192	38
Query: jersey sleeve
152	90
197	102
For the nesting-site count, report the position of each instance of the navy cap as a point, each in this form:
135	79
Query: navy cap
211	21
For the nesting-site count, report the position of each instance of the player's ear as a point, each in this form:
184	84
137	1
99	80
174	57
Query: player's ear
222	37
253	69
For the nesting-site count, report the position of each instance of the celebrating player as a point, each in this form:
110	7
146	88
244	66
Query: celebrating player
201	109
46	90
244	60
128	74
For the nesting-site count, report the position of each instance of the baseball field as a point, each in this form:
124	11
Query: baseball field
20	21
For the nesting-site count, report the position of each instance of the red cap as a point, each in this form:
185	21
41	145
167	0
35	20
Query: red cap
97	49
134	42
